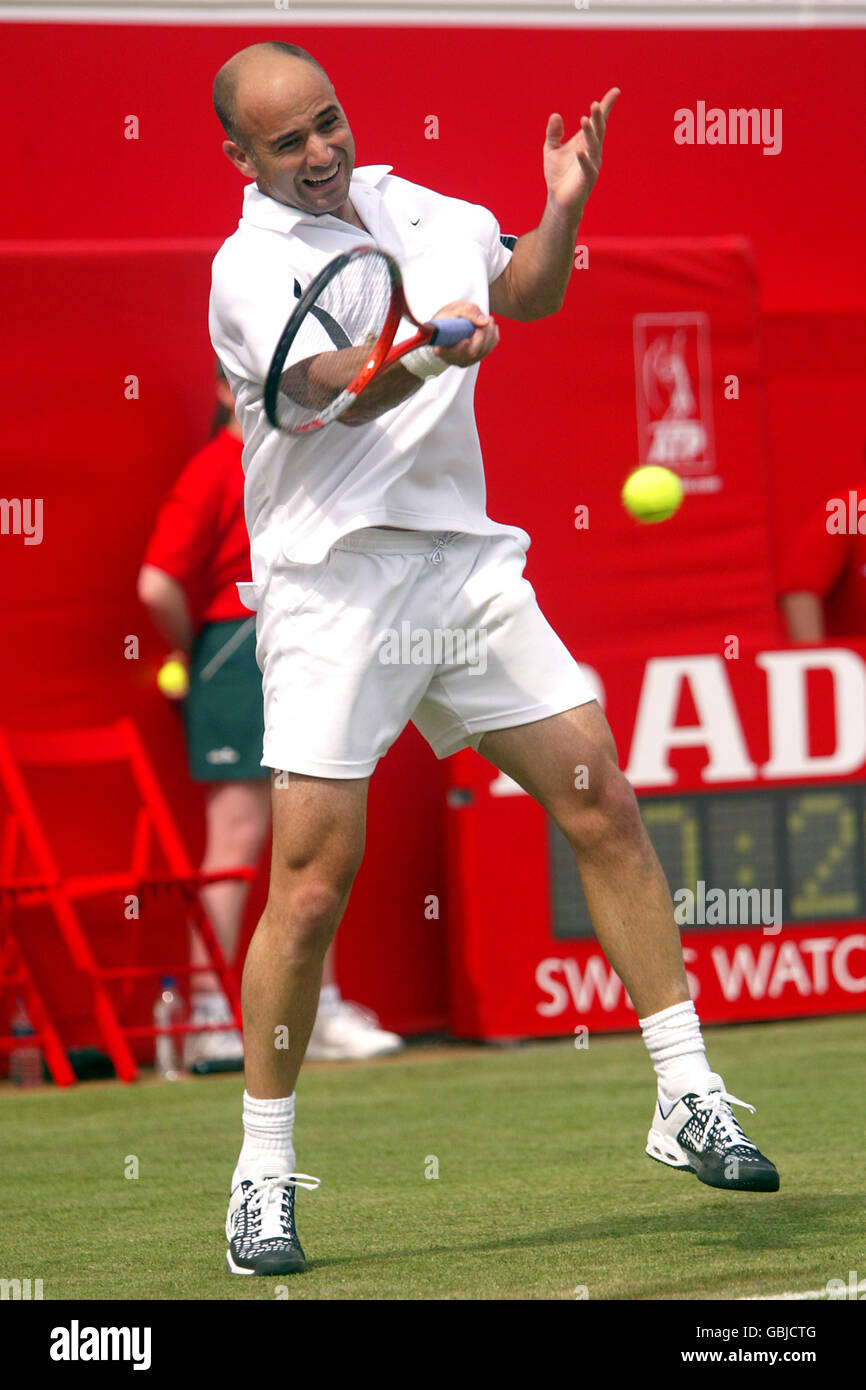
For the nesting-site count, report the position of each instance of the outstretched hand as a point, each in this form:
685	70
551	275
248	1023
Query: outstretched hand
571	167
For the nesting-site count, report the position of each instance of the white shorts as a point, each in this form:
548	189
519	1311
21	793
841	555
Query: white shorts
394	626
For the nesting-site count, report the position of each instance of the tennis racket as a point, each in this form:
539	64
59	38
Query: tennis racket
340	336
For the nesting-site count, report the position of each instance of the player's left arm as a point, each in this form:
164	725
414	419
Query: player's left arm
534	282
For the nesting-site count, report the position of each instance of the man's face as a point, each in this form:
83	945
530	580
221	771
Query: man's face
299	147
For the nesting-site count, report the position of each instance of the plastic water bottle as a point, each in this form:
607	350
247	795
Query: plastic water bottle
25	1059
167	1011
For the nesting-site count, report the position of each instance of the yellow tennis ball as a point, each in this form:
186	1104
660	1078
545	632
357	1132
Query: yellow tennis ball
173	679
652	493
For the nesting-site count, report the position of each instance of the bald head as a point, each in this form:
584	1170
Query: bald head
261	64
285	127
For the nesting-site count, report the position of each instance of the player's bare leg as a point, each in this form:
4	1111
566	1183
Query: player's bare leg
626	891
319	830
568	764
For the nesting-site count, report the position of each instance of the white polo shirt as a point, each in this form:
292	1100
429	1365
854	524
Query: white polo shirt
418	465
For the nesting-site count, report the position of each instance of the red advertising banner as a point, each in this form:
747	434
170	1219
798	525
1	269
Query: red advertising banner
750	773
735	975
656	359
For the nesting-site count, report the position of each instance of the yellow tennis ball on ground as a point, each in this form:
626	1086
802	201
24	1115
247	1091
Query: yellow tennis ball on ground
173	679
652	493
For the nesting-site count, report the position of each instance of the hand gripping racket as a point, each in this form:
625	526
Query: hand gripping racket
340	336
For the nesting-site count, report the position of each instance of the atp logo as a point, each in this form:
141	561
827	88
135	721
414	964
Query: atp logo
673	379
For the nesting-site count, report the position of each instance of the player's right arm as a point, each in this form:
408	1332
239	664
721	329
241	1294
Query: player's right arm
315	381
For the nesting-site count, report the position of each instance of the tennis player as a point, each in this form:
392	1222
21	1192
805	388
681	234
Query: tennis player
380	519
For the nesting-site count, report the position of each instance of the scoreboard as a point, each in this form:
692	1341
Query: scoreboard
802	848
767	875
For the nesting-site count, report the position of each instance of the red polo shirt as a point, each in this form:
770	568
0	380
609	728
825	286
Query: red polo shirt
200	537
832	564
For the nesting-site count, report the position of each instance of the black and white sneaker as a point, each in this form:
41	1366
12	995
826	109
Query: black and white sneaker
698	1132
260	1226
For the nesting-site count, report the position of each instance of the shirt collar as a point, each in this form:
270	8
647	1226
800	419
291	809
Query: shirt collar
263	211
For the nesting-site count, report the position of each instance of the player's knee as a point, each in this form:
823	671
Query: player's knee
603	812
305	916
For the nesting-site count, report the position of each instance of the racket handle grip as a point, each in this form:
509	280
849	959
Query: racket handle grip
447	332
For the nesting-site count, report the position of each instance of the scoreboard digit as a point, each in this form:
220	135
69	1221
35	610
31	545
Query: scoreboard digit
824	876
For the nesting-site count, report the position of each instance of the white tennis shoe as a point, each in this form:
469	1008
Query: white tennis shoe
260	1225
698	1132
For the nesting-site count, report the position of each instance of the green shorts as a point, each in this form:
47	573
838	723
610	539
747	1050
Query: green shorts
223	711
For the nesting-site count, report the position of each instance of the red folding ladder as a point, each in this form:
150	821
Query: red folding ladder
17	981
154	828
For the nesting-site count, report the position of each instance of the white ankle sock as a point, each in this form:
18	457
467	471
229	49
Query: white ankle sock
267	1142
676	1049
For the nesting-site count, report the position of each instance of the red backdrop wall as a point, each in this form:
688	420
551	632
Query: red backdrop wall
88	290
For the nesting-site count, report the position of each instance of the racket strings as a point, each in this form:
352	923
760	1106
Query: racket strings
333	339
358	298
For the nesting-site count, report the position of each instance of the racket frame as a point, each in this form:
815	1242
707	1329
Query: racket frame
382	353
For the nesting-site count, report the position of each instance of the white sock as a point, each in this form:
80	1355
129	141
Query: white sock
267	1146
676	1049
